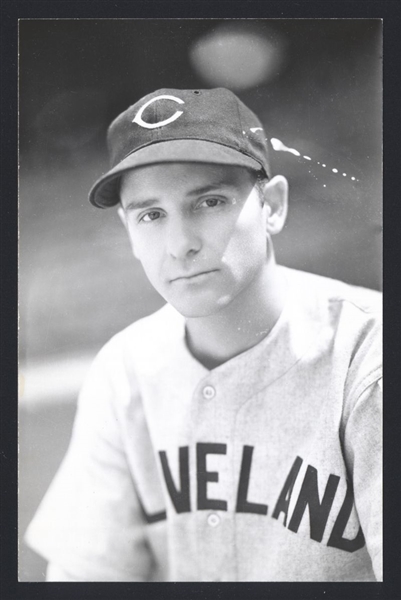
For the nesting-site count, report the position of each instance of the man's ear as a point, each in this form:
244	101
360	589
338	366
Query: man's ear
275	196
123	217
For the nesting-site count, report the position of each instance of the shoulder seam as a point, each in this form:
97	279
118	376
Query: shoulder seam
367	310
374	376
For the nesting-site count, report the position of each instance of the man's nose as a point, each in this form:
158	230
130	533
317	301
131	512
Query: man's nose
182	238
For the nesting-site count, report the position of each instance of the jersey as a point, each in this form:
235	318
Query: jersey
266	468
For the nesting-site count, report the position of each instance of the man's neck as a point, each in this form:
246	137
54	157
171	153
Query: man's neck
241	325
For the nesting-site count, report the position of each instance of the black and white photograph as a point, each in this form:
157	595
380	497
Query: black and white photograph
200	300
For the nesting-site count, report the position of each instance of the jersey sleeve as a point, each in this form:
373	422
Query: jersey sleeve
89	523
55	573
363	448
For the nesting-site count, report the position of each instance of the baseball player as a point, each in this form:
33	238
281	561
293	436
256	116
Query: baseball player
235	434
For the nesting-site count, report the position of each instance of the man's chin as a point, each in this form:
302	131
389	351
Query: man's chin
198	308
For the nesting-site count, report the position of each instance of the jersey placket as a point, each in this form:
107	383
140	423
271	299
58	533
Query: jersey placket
213	487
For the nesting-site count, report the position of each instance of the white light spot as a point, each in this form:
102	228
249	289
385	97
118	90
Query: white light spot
243	132
335	170
344	174
280	147
324	185
307	157
253	129
323	165
237	58
353	178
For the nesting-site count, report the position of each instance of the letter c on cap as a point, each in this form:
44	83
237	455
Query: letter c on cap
138	117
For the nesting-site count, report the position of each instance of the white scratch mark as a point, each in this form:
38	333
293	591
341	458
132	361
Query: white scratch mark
280	147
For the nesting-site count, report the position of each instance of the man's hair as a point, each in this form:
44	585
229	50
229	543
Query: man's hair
261	180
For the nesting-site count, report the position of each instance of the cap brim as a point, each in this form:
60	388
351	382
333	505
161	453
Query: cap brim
105	192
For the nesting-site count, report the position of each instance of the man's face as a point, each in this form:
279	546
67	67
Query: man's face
199	231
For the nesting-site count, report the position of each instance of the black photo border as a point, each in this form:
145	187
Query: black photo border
11	12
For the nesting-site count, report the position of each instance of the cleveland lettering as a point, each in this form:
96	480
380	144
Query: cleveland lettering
308	496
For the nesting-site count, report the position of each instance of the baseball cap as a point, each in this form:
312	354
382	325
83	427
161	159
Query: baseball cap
170	125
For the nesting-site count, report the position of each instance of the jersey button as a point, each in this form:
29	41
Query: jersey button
209	392
213	520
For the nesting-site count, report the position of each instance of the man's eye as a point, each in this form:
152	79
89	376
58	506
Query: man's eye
211	202
151	216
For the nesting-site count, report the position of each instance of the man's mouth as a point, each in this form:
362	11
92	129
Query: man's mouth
194	276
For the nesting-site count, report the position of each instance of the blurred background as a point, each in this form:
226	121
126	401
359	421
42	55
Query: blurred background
316	86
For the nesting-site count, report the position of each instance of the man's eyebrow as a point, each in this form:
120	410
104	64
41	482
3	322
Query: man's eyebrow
139	204
211	187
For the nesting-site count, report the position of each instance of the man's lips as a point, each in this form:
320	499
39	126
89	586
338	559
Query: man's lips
193	276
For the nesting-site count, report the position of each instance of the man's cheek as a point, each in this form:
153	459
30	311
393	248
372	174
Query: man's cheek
143	251
242	247
154	272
